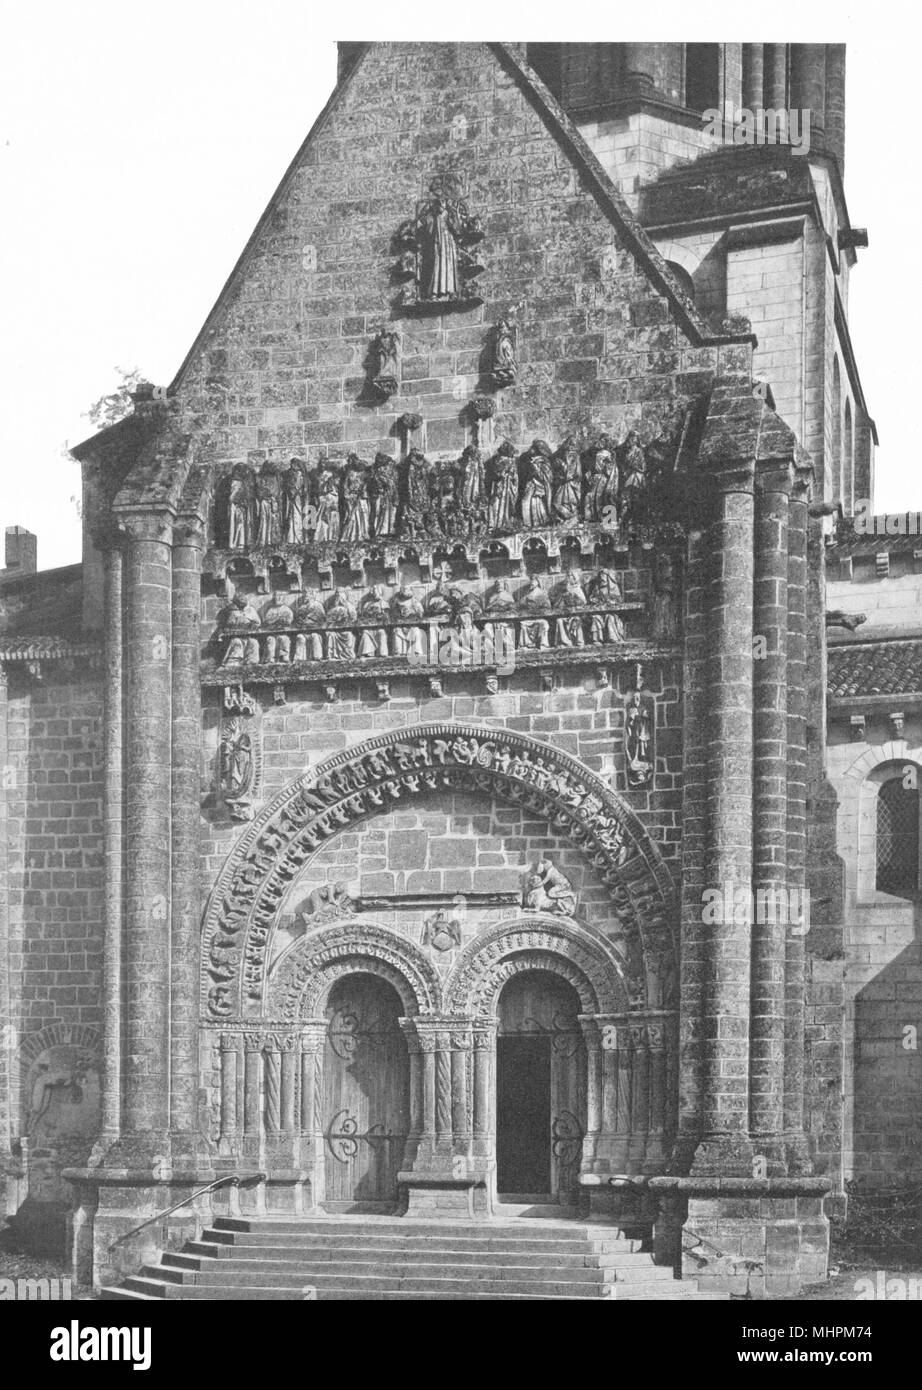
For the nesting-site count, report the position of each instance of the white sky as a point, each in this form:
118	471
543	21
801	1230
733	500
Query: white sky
139	146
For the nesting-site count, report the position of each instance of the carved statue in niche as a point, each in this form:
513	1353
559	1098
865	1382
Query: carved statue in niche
406	608
268	504
549	890
278	613
235	759
294	503
570	594
383	489
632	466
605	589
534	629
504	488
356	511
568	477
438	239
310	618
240	507
328	519
373	609
503	365
237	619
537	494
638	738
417	511
601	481
440	931
385	371
340	641
664	606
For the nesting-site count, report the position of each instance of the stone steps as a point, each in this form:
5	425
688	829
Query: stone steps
385	1258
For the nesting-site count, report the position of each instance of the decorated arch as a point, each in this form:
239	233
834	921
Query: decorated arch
374	777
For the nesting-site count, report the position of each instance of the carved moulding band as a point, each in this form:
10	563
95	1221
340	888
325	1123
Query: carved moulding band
309	967
373	776
581	955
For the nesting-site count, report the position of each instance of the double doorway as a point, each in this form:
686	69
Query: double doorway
539	1095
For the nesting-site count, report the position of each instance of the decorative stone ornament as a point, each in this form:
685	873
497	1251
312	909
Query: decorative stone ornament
436	248
385	371
503	364
639	735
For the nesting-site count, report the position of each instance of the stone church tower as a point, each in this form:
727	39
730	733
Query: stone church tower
397	782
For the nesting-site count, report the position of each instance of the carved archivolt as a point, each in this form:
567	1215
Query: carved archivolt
374	777
310	966
580	955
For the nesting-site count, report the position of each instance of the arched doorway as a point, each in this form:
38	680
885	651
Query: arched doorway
366	1094
541	1084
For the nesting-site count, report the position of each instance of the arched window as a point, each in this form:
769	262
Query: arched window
848	461
835	462
897	837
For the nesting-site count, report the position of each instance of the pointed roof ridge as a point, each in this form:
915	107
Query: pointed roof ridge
562	128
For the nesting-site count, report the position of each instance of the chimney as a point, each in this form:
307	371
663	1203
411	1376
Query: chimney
21	551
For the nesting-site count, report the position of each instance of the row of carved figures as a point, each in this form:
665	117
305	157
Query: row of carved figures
574	615
416	497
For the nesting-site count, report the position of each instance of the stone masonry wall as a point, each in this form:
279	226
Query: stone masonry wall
280	368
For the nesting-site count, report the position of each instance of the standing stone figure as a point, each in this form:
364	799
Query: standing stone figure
503	368
235	759
405	608
294	501
384	493
268	498
384	348
539	485
568	475
470	469
328	517
439	226
633	466
601	481
240	508
417	511
638	739
504	487
664	606
356	511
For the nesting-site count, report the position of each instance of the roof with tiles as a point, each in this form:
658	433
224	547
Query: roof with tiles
875	668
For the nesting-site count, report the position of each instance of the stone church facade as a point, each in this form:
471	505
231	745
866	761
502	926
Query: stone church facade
392	791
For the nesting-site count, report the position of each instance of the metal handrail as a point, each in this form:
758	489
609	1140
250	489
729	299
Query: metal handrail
229	1180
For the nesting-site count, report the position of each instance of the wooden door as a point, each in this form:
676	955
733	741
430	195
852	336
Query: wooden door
366	1094
540	1088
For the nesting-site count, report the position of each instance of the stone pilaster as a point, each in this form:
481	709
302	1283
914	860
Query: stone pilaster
695	937
148	583
724	1145
770	880
114	825
796	793
185	792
